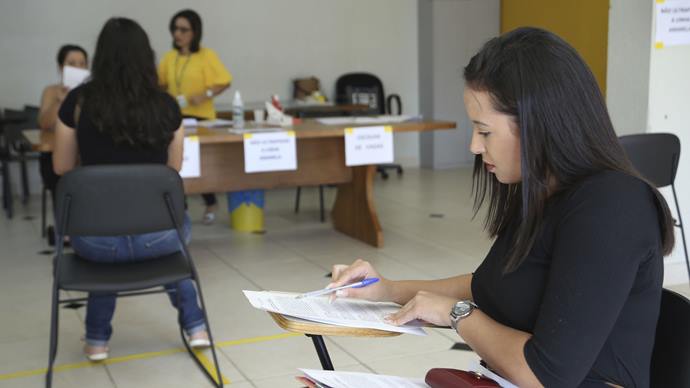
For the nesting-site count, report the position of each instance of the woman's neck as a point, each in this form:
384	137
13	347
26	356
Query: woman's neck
184	50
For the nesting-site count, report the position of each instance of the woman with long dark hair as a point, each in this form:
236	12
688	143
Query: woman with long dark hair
194	75
121	116
569	294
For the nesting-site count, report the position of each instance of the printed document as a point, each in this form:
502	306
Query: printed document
343	312
336	379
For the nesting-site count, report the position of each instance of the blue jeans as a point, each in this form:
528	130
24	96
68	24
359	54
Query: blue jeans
123	249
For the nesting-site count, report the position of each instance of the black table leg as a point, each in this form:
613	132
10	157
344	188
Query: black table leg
321	350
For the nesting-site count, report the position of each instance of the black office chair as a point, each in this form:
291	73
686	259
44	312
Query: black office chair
9	119
671	356
120	200
367	89
656	156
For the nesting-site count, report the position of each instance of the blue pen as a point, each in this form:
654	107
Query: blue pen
325	291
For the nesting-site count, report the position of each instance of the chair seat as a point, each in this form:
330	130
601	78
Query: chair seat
78	274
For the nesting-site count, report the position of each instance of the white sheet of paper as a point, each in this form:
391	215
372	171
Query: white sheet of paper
190	122
338	379
191	158
270	151
215	123
342	312
368	145
672	23
73	76
383	119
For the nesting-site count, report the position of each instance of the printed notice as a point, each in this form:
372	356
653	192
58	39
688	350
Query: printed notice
672	23
191	158
270	151
368	145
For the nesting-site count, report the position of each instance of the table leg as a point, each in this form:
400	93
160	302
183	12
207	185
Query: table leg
321	350
354	212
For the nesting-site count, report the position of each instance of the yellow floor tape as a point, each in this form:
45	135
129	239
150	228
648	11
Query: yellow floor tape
148	355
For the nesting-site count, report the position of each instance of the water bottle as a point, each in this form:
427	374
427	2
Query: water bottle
237	110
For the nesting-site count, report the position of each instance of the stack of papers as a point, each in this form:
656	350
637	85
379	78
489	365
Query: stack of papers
334	379
385	119
343	312
215	123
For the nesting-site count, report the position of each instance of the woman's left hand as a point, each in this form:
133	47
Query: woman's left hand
425	306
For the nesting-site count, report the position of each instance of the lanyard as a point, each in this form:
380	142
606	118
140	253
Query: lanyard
178	76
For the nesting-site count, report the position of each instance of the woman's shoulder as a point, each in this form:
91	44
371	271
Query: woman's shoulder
206	52
610	190
169	55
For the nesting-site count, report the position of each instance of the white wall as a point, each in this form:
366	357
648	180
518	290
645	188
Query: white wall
669	111
627	78
264	43
649	91
458	30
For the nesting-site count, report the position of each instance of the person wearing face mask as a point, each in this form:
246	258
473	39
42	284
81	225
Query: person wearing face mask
194	75
52	97
570	292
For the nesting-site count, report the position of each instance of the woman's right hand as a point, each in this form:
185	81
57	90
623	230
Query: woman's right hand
359	270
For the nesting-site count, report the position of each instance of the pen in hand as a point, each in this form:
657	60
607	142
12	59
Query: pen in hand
325	291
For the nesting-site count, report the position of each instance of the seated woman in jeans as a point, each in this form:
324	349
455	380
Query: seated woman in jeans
121	116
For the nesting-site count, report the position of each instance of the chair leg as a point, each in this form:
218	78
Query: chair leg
299	192
54	320
323	212
217	380
43	212
322	352
6	189
25	178
682	230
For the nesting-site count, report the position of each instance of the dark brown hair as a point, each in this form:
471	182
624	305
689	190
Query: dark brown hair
566	133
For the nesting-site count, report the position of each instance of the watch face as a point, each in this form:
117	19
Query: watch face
461	308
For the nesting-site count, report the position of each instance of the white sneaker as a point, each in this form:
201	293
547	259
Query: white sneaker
209	218
199	340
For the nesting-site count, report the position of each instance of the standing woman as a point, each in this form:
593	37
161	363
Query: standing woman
194	76
53	95
121	116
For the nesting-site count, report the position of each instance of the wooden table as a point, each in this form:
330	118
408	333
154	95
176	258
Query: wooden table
316	331
320	161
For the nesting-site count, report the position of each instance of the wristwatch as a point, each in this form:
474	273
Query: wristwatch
209	93
461	310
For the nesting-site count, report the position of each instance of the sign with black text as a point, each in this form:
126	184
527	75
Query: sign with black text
270	151
368	145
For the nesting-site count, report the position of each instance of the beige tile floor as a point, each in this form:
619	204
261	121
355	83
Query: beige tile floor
294	255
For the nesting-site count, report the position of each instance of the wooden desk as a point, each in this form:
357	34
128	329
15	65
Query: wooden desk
320	161
316	331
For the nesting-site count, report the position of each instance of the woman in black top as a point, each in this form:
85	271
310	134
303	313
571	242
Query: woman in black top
569	293
121	116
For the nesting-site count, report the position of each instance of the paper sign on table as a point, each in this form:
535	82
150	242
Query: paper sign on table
191	158
368	145
270	151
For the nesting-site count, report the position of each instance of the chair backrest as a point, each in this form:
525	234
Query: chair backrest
671	357
362	89
112	200
654	155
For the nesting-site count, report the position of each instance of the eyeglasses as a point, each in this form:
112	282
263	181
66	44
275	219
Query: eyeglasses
181	29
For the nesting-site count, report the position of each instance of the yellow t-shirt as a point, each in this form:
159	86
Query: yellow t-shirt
192	75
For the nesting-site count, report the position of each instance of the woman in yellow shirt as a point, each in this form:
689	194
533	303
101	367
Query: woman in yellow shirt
194	76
